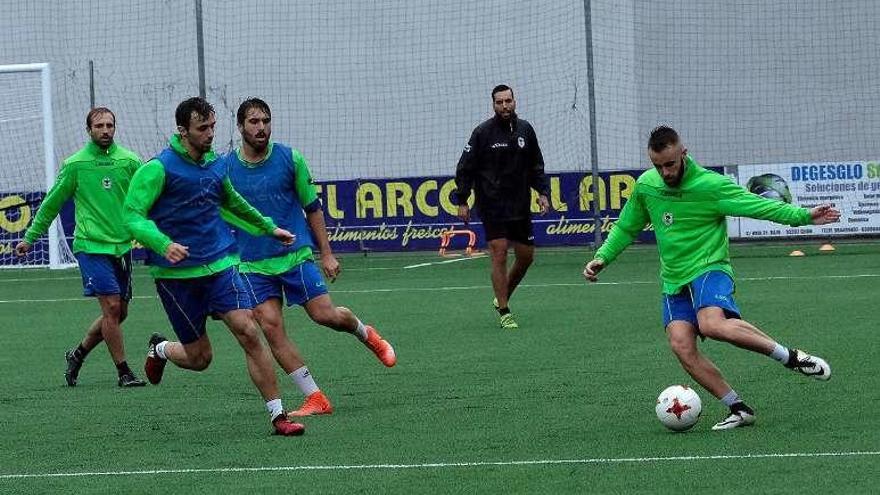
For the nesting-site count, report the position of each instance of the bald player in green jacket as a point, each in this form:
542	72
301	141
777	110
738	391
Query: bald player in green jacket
688	207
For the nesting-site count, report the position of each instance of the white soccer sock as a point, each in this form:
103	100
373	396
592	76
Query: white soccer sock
730	398
275	408
361	331
160	349
303	379
780	353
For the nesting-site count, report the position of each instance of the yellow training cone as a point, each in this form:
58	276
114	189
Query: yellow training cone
796	252
826	247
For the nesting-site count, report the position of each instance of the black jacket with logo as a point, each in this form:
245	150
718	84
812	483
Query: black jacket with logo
501	161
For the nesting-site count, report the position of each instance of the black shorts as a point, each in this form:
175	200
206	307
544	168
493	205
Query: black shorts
513	230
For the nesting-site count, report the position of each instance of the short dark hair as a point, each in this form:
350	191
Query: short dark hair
90	117
500	88
197	104
662	137
252	103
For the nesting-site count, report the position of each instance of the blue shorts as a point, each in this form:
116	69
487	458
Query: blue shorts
189	301
105	274
298	285
711	289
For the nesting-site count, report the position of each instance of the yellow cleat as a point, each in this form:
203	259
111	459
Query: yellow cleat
507	322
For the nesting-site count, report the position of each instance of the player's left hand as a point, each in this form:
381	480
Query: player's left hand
823	214
544	204
284	236
330	265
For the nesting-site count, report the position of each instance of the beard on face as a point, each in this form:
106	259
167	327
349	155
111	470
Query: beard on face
257	145
204	146
676	180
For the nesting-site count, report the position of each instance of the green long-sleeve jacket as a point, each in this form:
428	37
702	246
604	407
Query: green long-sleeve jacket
690	221
97	180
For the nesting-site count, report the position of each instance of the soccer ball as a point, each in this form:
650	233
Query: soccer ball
679	407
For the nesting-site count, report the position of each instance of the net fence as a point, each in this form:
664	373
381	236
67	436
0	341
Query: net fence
392	88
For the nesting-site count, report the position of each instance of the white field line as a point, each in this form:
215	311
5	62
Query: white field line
486	287
442	465
445	262
147	275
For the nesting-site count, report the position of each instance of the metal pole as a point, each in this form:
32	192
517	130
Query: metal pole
91	84
49	163
200	48
594	139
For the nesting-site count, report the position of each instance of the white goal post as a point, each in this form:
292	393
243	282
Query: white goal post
59	254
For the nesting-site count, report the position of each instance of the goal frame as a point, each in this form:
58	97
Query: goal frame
55	233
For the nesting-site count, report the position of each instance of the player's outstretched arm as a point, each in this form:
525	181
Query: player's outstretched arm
592	269
243	215
824	214
736	201
61	191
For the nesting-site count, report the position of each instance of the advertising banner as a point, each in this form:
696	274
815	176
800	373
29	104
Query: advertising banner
852	187
413	213
406	214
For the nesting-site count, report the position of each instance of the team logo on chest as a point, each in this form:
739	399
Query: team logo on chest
521	142
668	218
107	182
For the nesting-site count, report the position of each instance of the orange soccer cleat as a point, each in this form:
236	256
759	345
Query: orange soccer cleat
380	347
315	404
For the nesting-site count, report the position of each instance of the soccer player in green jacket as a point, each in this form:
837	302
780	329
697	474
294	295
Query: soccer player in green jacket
97	178
688	206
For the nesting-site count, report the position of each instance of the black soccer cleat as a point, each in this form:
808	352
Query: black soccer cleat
129	380
73	366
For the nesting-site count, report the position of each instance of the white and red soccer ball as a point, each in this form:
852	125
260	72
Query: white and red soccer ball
679	407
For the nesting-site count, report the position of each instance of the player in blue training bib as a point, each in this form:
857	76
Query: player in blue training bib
275	179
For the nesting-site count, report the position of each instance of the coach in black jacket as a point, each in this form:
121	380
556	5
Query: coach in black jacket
500	163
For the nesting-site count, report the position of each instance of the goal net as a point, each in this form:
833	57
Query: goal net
28	167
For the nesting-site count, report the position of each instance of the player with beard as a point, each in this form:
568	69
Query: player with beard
276	180
688	207
174	208
501	164
97	178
